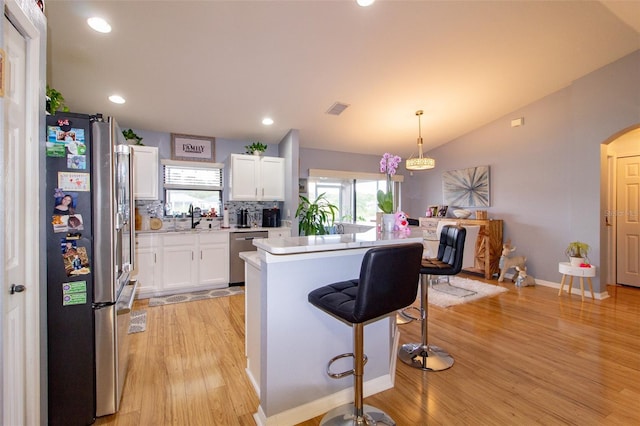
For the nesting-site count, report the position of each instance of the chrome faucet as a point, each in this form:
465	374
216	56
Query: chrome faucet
193	223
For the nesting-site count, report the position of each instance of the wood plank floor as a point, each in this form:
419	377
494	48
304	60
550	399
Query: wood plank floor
524	357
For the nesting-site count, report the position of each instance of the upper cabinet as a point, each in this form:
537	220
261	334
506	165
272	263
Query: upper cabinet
145	172
255	178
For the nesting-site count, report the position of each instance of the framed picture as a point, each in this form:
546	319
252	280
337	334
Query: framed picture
193	148
466	187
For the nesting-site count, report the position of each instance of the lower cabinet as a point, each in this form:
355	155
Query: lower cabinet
213	261
148	257
179	269
181	262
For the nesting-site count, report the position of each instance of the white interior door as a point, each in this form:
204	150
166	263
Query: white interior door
628	221
16	286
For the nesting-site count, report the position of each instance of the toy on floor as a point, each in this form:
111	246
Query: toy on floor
507	263
524	280
401	224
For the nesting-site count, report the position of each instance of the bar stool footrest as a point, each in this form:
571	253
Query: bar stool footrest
344	373
405	313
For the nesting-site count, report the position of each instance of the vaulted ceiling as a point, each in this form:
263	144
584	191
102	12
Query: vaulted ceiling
216	68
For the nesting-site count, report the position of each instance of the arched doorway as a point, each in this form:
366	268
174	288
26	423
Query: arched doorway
621	231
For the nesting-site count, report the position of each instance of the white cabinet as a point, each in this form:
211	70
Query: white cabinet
213	264
148	261
145	172
256	178
244	174
272	179
171	263
279	232
179	270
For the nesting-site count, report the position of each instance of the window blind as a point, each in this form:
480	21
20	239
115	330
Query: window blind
184	177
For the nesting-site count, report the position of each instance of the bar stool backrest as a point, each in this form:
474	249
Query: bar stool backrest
389	277
451	247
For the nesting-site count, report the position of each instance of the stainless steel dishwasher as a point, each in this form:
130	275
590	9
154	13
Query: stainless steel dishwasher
239	242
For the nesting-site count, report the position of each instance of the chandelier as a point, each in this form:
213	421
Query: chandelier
420	163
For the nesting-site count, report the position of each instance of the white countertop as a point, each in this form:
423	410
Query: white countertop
233	228
317	243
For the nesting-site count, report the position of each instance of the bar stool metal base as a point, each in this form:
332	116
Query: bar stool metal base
422	355
425	357
344	416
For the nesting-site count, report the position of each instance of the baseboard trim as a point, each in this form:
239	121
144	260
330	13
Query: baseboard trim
320	406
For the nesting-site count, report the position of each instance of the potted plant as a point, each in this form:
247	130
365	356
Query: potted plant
131	137
314	218
577	252
388	165
255	148
55	101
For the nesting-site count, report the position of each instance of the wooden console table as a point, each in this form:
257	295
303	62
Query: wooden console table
486	261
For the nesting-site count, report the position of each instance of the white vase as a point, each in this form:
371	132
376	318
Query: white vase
388	222
576	261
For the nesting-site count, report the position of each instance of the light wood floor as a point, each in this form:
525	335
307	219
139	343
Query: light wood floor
524	357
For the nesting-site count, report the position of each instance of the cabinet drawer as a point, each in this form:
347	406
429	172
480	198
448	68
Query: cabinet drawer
280	233
214	237
181	239
147	240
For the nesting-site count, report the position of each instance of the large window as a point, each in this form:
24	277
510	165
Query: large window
195	185
355	194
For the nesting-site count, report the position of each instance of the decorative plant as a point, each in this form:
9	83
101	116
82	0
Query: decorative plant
388	165
256	146
130	135
55	101
577	249
315	217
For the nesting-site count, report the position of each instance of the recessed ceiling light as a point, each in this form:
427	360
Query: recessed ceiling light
267	121
365	3
117	99
99	24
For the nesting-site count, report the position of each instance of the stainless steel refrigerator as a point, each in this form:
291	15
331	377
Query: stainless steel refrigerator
90	255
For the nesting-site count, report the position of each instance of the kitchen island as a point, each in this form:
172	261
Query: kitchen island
289	342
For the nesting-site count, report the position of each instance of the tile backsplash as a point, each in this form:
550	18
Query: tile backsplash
156	209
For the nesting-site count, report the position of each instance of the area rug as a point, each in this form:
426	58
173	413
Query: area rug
137	322
446	299
195	295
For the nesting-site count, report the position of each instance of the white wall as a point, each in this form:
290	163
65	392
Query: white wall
545	175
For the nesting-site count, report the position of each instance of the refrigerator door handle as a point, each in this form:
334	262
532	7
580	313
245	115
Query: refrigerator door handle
127	297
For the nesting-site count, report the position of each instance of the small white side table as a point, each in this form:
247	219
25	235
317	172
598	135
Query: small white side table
565	269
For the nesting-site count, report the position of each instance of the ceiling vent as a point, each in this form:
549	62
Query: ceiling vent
337	108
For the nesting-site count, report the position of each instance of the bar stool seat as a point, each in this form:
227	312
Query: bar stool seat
388	281
449	262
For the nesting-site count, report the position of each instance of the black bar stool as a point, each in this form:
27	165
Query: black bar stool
449	262
388	281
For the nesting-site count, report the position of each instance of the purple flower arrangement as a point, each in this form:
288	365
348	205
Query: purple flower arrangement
388	164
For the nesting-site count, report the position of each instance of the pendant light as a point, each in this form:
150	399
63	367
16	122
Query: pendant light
420	163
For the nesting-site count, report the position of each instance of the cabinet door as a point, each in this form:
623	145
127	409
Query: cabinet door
244	177
147	262
213	252
179	268
214	265
272	179
145	172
